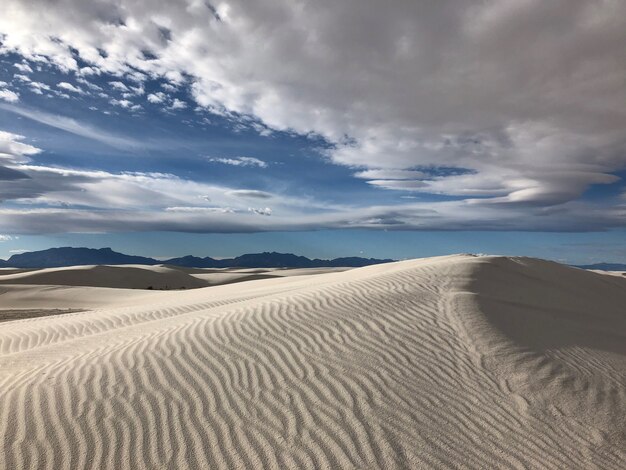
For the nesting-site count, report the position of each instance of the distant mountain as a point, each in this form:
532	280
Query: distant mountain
604	266
193	262
271	260
67	256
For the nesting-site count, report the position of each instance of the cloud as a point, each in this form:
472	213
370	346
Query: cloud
10	96
523	98
156	98
406	185
121	103
261	210
23	67
391	174
13	150
119	86
69	87
55	199
74	127
22	78
196	209
38	87
250	193
239	161
178	104
9	174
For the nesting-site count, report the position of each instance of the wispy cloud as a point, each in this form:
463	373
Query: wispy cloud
74	127
249	193
239	161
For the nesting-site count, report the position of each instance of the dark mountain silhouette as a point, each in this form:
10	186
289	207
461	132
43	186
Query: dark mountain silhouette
193	262
67	256
604	266
272	260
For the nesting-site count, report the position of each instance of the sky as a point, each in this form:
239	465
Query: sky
358	128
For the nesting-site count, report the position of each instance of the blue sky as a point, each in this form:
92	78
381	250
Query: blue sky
161	130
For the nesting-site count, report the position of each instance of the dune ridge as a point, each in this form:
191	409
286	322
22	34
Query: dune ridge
449	362
145	277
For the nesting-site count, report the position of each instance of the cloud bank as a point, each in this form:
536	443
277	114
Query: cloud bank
515	108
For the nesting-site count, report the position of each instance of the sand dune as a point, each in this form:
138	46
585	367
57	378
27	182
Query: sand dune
121	277
145	277
451	362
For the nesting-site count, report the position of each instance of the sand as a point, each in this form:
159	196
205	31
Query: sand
146	277
449	362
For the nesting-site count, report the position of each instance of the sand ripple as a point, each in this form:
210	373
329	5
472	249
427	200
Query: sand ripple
452	362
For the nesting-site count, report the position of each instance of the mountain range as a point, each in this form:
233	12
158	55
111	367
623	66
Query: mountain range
68	256
604	266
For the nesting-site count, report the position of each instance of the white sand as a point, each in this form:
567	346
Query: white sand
451	362
145	277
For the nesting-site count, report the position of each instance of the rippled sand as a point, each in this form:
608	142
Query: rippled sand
450	362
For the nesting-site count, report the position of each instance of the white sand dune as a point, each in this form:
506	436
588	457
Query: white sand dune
145	277
26	296
121	277
451	362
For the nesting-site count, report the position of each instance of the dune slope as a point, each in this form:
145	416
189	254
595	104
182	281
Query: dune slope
121	277
451	362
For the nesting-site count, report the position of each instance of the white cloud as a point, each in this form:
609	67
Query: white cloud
261	210
38	87
196	209
49	199
391	174
406	185
87	71
13	150
119	86
69	87
10	96
524	95
88	84
178	104
121	103
169	87
239	161
23	67
156	98
138	90
75	127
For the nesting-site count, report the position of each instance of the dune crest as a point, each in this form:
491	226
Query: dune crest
449	362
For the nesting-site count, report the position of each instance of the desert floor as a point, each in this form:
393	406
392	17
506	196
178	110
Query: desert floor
449	362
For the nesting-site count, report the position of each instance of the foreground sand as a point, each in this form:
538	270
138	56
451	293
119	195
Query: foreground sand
452	362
